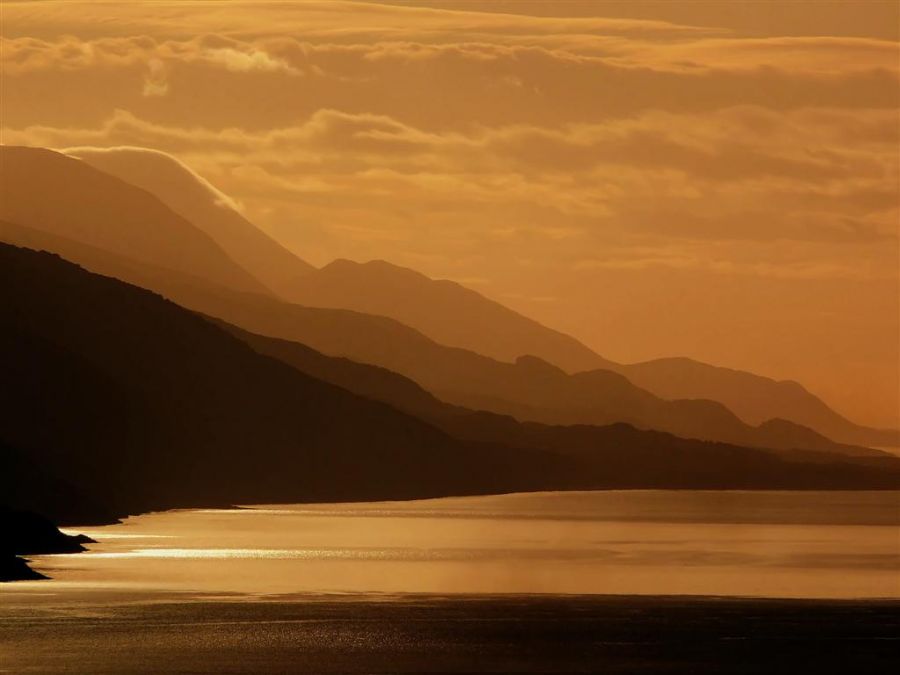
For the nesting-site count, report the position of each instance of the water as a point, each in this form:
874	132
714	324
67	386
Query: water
618	582
757	544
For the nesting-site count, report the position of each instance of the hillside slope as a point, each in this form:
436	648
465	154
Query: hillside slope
529	389
457	316
197	201
53	193
143	405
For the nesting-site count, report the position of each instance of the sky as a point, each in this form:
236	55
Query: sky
705	179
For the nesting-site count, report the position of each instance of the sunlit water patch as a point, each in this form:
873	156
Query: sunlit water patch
774	544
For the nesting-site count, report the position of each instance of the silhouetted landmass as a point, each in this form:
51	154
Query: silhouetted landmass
445	311
26	533
143	405
61	195
529	390
456	316
14	568
628	457
753	398
186	194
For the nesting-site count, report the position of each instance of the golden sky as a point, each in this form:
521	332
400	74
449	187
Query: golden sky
708	179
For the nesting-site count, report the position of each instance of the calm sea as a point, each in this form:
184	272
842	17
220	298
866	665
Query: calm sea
758	544
613	582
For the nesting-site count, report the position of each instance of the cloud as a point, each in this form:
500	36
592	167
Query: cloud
155	83
162	164
706	177
329	20
456	85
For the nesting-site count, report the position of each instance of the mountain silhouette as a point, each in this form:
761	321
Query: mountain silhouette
61	195
449	313
530	389
445	311
753	398
27	533
456	316
586	441
191	197
142	405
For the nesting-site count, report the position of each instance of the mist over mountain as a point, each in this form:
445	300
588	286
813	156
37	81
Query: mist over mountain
53	193
190	196
456	316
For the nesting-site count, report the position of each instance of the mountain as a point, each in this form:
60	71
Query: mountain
190	196
456	316
628	449
445	311
53	193
530	389
753	398
143	405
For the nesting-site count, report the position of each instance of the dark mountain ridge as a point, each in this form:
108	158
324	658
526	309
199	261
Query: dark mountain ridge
142	405
529	390
635	454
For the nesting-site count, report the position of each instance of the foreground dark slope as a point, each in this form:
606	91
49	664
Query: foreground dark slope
529	389
457	316
143	405
117	401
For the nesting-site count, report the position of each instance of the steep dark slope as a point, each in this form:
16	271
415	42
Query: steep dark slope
144	405
61	195
529	389
141	405
628	456
190	196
